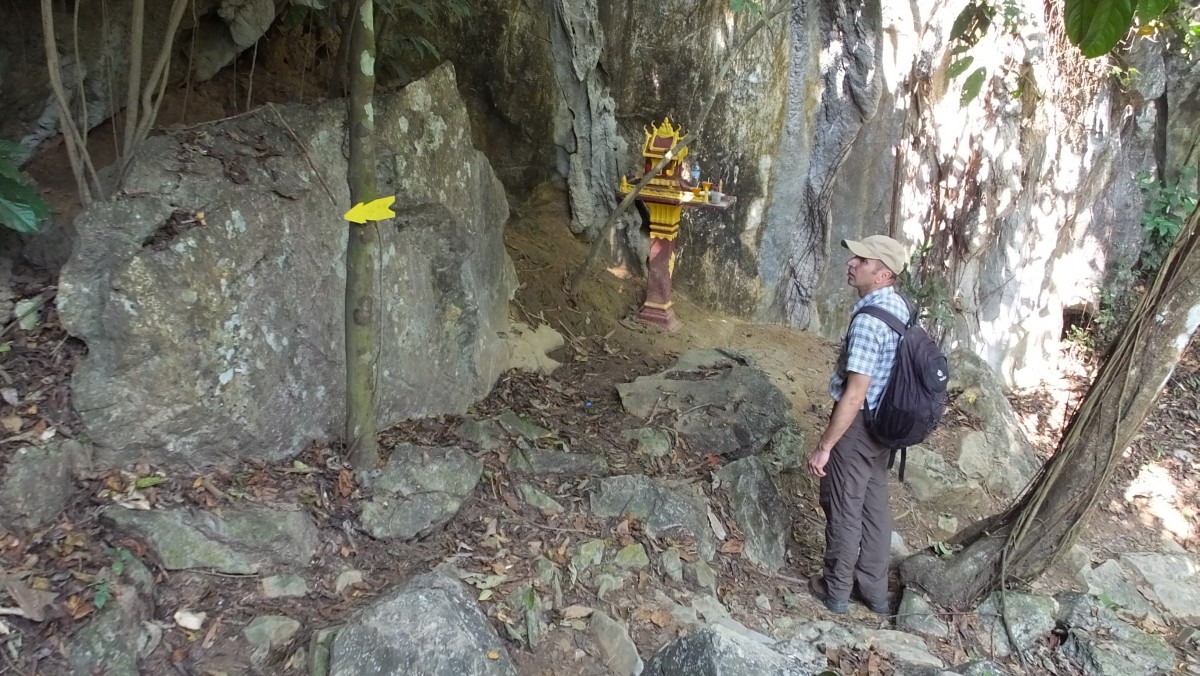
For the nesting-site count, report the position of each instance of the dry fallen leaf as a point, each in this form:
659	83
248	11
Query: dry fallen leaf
12	423
10	396
718	528
77	608
660	618
32	602
732	547
211	637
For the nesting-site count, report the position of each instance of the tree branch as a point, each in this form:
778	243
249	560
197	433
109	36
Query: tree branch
77	152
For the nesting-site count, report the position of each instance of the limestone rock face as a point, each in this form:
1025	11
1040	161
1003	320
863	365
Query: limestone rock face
835	124
211	291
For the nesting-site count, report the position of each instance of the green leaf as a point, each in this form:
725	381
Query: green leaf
1149	10
100	599
973	84
21	207
1096	26
13	151
960	66
423	12
150	481
972	23
9	170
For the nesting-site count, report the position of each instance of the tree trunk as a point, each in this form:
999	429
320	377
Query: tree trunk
362	312
1019	544
337	80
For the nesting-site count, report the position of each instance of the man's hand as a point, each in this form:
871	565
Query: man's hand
844	412
817	461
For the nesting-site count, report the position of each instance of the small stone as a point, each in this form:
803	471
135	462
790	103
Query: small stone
283	586
762	602
522	427
790	600
703	576
617	649
528	460
650	442
948	523
680	614
297	661
632	557
483	434
672	564
586	555
536	498
607	582
347	578
27	313
917	617
549	575
267	632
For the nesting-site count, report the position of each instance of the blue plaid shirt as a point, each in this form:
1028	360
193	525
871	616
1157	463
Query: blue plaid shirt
870	346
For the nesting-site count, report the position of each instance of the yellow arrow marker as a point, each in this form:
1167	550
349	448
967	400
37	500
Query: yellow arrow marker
375	210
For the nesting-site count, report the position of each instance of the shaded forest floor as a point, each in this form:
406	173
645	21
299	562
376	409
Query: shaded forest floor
1153	497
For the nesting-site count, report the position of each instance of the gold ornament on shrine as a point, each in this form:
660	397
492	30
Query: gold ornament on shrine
665	196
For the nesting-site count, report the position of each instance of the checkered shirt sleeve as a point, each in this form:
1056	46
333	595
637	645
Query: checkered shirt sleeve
870	347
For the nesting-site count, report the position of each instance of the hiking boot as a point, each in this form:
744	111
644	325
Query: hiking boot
816	585
879	606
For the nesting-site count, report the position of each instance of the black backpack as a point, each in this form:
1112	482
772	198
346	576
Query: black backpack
915	397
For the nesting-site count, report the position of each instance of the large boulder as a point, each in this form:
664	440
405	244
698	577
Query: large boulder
121	632
418	491
720	651
759	509
666	508
431	625
998	456
1105	645
240	540
36	485
722	404
210	292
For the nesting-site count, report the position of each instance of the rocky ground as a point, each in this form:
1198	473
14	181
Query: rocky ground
579	521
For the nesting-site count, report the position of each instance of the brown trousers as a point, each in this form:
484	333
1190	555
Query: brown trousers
858	518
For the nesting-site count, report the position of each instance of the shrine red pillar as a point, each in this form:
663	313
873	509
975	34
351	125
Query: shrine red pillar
664	228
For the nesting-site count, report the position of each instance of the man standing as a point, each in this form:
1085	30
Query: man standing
851	463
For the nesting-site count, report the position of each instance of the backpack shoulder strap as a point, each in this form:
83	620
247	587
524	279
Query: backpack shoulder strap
886	317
